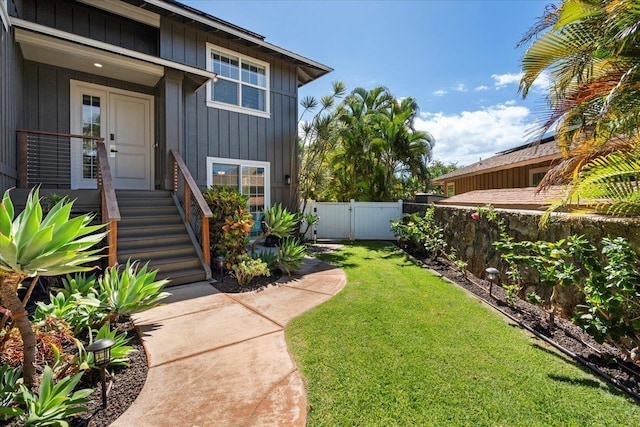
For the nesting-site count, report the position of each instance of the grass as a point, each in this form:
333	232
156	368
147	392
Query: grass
401	347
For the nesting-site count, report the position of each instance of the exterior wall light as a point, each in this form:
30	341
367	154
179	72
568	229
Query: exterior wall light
287	179
493	276
101	350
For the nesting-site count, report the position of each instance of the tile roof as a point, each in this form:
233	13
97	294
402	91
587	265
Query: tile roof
518	156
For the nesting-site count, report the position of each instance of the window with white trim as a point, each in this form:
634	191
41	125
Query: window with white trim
242	82
536	175
4	14
251	178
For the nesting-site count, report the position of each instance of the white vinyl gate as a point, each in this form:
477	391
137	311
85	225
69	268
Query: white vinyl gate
354	220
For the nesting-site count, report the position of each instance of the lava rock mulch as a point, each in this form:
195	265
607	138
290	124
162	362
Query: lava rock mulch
606	358
124	385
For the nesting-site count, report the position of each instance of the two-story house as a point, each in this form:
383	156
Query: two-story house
149	101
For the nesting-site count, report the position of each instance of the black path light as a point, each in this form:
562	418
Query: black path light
101	350
220	262
493	276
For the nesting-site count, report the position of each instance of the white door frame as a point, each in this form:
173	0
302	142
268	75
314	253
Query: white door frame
77	88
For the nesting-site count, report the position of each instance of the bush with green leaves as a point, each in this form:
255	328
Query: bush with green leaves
290	254
119	351
32	244
268	257
421	231
126	290
231	223
54	404
247	267
10	379
278	222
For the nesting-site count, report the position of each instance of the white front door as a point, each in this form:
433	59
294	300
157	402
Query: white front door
124	120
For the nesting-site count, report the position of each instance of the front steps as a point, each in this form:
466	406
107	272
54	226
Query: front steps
151	229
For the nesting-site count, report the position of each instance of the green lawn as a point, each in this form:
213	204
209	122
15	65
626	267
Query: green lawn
400	347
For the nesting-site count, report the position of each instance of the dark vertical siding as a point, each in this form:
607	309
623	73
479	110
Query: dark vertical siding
220	133
11	84
86	21
47	91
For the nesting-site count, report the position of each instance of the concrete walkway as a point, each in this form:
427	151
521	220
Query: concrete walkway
221	359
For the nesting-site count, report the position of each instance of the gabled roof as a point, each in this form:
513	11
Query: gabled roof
526	154
308	70
506	198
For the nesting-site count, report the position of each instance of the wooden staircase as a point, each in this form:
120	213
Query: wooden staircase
151	229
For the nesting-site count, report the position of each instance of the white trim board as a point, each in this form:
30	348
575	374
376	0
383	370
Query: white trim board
131	54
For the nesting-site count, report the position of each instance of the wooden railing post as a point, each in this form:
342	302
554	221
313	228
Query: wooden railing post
113	243
187	202
22	159
206	250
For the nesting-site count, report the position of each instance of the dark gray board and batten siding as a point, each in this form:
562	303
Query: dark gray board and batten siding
86	21
219	133
11	105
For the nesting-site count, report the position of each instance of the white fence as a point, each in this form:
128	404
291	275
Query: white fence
354	220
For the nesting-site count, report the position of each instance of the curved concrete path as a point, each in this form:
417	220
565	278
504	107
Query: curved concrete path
221	359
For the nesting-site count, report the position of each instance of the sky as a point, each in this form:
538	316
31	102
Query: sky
457	58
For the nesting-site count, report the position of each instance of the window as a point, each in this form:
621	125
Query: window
242	84
252	178
536	175
451	189
4	14
90	127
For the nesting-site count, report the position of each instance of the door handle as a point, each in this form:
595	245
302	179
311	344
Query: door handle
114	150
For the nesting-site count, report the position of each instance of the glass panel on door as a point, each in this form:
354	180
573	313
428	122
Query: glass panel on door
91	115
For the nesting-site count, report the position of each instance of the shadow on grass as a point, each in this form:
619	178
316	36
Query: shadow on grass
586	382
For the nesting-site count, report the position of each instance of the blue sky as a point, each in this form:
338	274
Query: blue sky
457	58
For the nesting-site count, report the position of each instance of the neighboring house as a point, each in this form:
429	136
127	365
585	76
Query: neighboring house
148	77
519	167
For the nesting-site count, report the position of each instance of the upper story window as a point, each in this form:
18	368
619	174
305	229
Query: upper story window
242	84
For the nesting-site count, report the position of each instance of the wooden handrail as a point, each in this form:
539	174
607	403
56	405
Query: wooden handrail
191	190
66	135
197	194
110	209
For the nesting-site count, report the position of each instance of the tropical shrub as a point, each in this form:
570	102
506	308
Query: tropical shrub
268	257
230	224
31	245
127	290
278	222
9	386
421	232
247	267
290	254
119	351
55	402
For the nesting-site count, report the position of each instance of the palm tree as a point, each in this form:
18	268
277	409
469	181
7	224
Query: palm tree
590	48
30	246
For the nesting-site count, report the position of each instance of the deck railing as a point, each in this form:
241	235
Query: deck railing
196	210
44	158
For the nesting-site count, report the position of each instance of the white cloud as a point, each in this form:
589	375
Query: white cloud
502	80
511	102
470	135
542	83
440	92
481	88
460	87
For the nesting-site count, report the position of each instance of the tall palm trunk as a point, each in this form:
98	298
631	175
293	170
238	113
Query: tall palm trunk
8	287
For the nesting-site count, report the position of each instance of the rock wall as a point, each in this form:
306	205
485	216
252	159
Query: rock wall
473	238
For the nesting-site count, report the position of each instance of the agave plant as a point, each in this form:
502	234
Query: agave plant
129	290
54	403
279	222
9	384
31	245
290	254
